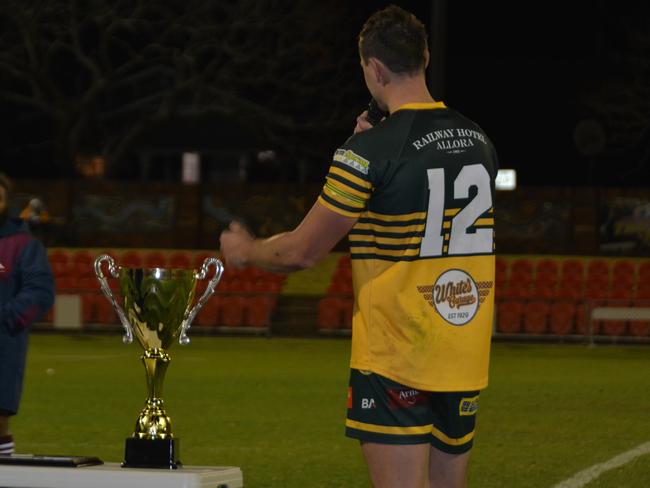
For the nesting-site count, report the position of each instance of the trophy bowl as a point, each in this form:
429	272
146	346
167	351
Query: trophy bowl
157	309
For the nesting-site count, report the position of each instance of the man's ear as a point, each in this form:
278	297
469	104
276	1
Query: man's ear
426	58
379	70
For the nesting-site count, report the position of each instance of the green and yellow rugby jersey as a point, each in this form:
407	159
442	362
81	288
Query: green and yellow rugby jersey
422	186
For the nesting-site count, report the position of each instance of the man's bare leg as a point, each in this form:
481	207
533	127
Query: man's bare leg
448	470
396	465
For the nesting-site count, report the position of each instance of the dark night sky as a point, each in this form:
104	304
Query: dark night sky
521	72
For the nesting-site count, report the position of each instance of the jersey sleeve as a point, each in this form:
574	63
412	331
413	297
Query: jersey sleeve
347	185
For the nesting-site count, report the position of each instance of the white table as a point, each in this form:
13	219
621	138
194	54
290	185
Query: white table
112	475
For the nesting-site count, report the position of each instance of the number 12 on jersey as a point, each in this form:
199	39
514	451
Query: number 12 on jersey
461	241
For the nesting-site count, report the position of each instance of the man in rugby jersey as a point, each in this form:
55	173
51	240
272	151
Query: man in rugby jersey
415	194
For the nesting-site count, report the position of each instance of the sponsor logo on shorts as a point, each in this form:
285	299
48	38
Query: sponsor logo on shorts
468	406
456	296
367	403
349	397
399	398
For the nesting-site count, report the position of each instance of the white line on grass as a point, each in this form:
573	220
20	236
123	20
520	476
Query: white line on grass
586	476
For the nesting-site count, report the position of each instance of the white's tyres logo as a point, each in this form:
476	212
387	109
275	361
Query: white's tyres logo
455	297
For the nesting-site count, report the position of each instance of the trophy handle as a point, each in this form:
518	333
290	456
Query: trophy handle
127	338
201	275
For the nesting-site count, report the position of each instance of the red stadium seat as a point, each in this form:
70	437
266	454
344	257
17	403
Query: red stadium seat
623	274
105	313
130	259
643	278
572	273
329	313
347	306
340	288
614	327
548	268
180	259
82	264
583	317
509	315
521	273
258	310
155	259
210	314
232	311
501	272
536	317
59	261
639	328
562	316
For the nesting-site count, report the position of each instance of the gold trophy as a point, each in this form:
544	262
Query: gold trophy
157	310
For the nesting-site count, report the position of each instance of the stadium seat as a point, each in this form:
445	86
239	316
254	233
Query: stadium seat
561	318
548	268
210	314
59	261
643	278
614	327
340	288
536	317
598	273
569	291
88	305
155	259
623	274
131	259
501	272
65	283
583	317
347	306
621	292
509	315
232	310
544	286
329	313
82	264
522	266
521	273
258	310
642	292
639	328
572	273
104	312
596	290
199	258
180	259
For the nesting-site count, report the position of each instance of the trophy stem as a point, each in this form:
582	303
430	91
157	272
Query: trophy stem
155	363
153	422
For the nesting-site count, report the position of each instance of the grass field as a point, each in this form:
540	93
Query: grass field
276	407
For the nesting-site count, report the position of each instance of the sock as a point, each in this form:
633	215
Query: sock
7	444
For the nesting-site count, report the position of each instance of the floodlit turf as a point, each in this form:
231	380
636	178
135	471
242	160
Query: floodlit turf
276	407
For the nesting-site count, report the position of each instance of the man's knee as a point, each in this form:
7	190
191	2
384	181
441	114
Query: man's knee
448	470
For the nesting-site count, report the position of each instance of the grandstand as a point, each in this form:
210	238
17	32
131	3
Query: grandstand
537	297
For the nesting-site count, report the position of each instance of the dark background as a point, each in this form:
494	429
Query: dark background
139	82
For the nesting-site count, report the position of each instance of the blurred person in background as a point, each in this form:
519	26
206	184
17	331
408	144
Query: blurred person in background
26	294
415	193
36	216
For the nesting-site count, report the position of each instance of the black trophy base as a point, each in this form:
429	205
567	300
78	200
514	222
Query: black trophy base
151	453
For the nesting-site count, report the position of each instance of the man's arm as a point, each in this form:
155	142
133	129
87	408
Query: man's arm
298	249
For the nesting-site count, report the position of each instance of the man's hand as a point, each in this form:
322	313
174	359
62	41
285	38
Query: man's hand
236	243
362	123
